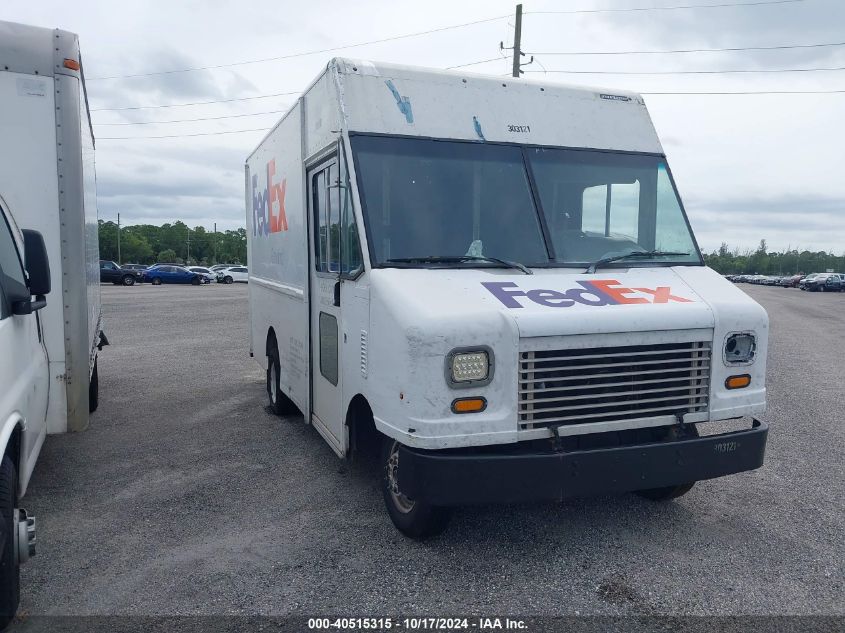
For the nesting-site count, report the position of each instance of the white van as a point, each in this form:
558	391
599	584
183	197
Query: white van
496	281
48	211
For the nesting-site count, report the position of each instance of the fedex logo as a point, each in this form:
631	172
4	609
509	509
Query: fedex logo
601	292
265	219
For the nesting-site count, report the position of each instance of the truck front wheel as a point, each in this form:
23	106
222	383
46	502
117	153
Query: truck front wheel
9	564
279	401
413	518
672	492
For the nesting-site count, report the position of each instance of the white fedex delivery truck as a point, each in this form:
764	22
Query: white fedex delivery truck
495	280
49	269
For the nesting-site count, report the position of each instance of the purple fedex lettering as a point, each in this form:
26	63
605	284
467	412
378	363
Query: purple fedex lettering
505	296
259	209
507	291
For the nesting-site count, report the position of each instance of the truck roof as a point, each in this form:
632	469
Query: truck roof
384	98
34	50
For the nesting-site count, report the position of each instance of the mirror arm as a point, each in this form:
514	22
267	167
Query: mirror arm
29	306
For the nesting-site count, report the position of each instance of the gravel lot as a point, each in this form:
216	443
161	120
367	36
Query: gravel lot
186	496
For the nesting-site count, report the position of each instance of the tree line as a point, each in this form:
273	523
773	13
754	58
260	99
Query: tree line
760	261
177	242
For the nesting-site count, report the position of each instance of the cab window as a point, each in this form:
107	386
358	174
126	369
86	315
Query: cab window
12	278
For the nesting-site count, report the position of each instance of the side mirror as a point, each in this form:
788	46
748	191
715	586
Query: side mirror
38	270
37	262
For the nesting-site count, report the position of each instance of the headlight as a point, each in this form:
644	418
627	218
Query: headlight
469	367
740	348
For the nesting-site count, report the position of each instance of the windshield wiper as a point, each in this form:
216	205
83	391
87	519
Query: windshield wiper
457	259
639	254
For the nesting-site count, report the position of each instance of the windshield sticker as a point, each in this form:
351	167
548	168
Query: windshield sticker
477	125
403	103
600	292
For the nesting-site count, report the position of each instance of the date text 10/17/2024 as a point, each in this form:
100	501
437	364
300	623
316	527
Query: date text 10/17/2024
418	624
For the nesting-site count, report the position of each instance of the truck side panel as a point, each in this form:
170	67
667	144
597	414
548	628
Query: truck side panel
278	254
76	236
28	184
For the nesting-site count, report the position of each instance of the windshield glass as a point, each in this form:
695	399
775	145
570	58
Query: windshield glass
598	204
425	198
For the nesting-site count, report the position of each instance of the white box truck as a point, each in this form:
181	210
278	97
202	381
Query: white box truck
48	213
496	281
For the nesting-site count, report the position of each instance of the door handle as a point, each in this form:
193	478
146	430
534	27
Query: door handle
336	302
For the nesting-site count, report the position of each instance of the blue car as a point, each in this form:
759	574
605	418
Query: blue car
163	274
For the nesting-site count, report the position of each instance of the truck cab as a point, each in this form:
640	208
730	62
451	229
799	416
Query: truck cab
25	377
497	279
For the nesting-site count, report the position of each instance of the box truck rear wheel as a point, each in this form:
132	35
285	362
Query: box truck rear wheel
9	563
416	519
94	390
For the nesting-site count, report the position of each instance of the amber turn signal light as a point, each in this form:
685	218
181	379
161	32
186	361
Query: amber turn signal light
738	382
72	64
468	405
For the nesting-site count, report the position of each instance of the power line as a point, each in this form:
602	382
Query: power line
312	52
688	50
439	30
708	93
132	138
690	72
195	103
483	61
210	118
669	8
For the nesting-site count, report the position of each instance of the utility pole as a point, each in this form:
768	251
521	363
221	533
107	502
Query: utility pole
188	242
215	242
517	37
119	262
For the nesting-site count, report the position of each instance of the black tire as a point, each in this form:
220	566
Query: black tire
671	492
94	390
280	404
415	519
195	281
156	281
10	578
228	280
128	280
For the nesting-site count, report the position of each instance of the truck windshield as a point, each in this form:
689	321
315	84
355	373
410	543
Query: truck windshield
426	199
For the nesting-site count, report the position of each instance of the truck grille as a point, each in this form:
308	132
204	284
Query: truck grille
609	384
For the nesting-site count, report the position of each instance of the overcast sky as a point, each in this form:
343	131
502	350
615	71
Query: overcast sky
748	167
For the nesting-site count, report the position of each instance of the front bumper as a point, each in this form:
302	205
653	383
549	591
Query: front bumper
450	478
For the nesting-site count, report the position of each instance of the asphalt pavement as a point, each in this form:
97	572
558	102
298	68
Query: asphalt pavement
186	496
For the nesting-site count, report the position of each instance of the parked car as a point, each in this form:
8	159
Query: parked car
233	274
807	280
157	275
218	267
205	272
790	282
138	267
825	282
111	272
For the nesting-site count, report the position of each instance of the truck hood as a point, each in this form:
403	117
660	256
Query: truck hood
554	302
